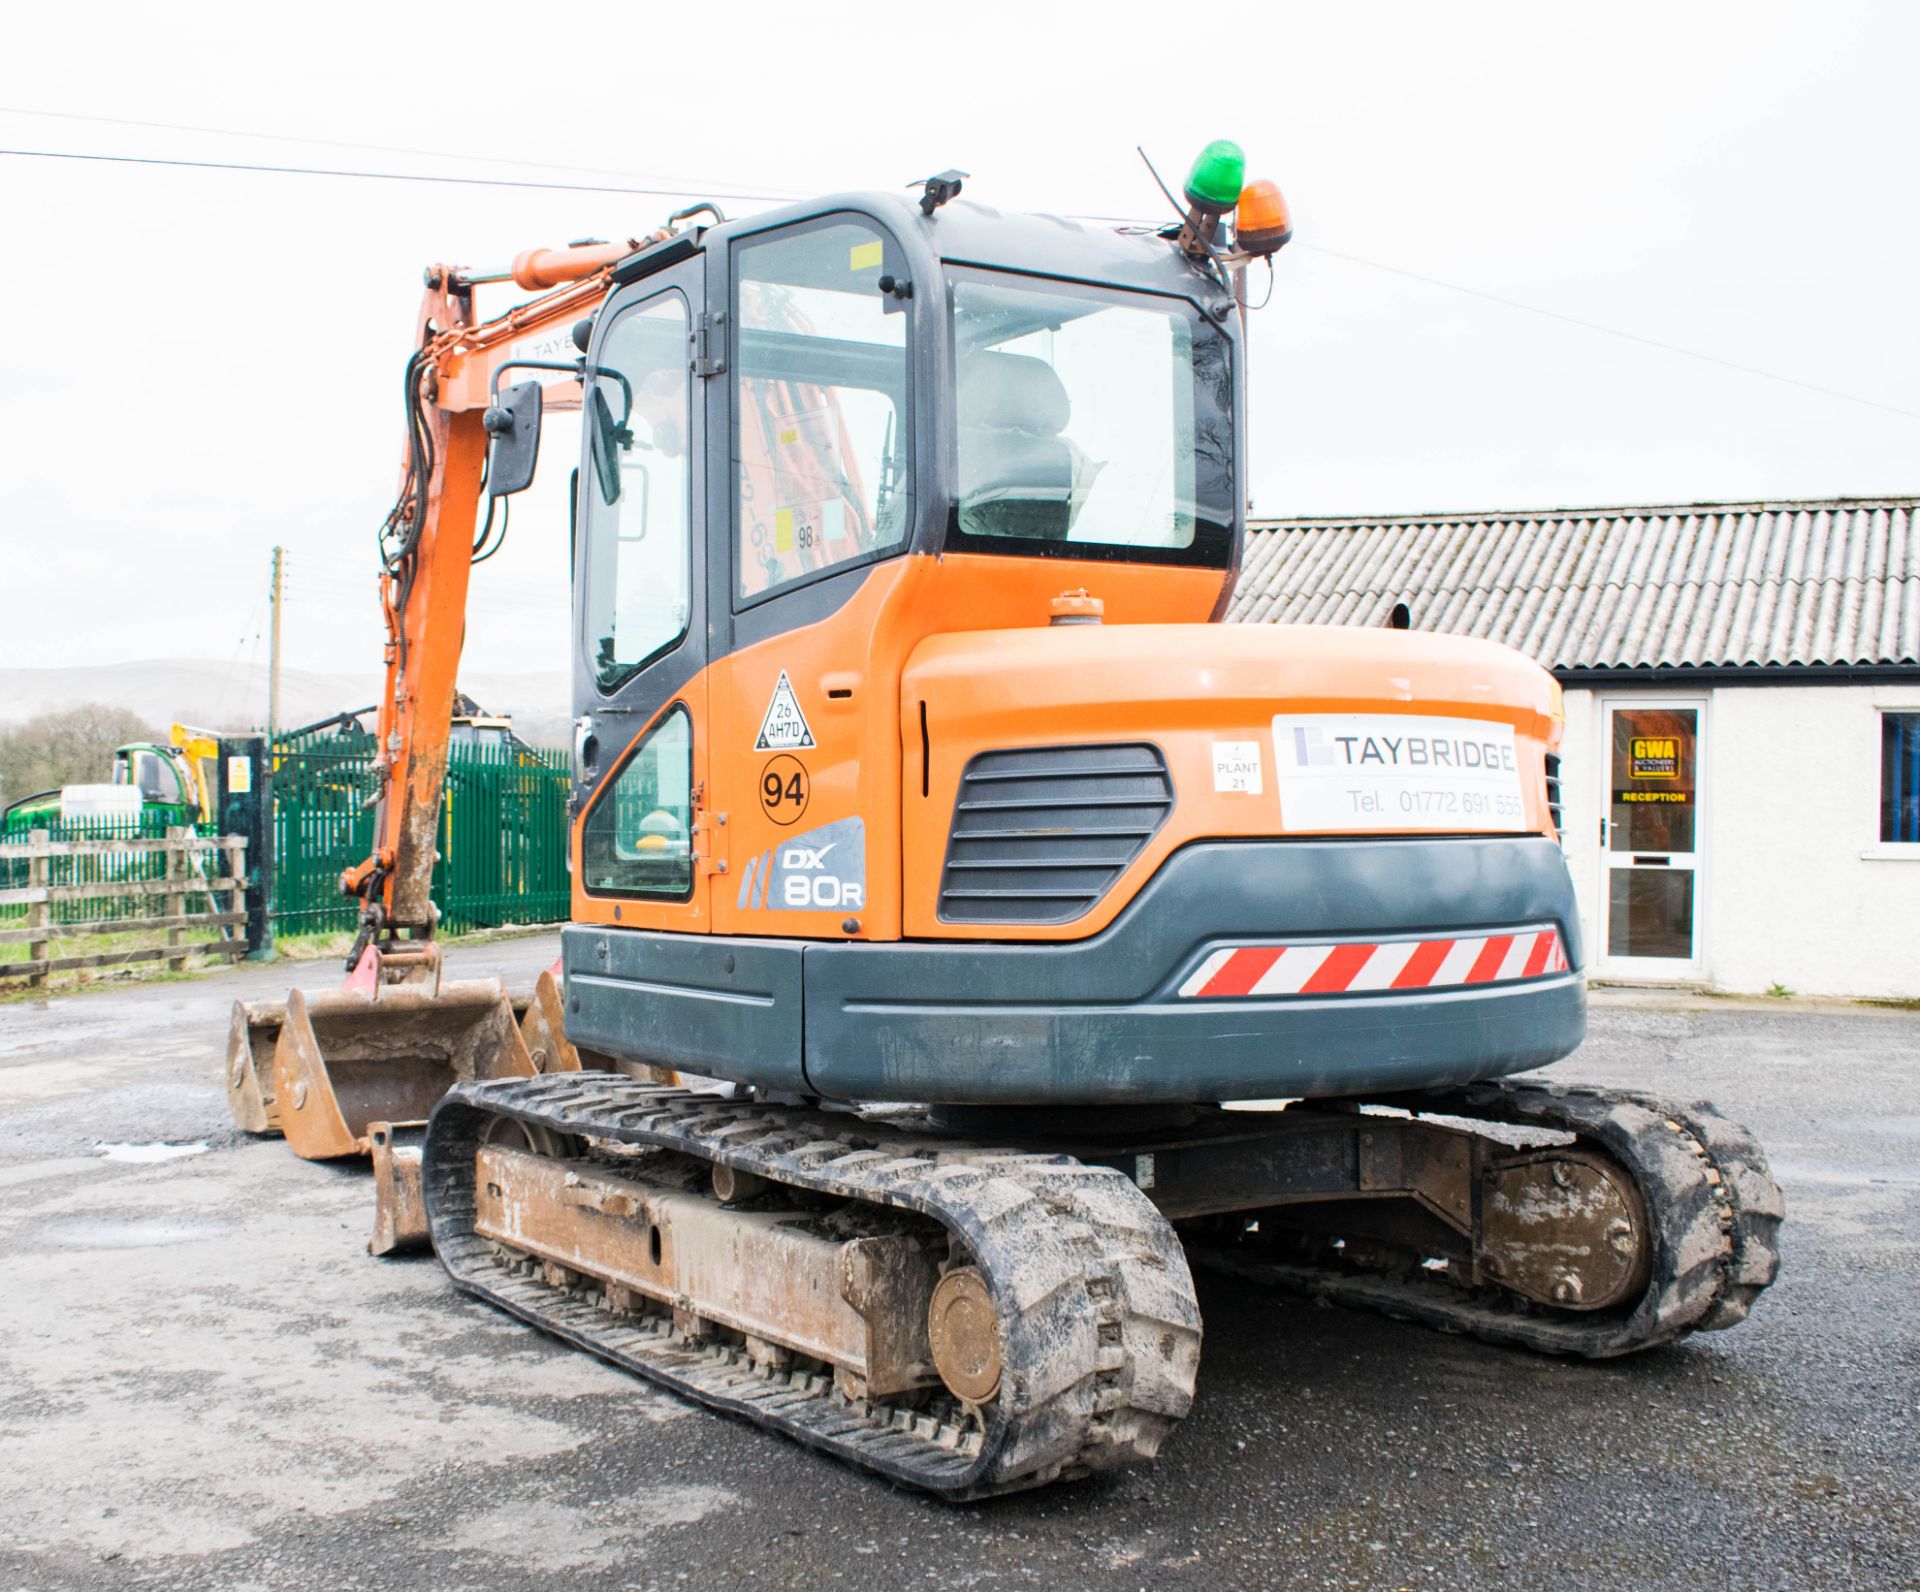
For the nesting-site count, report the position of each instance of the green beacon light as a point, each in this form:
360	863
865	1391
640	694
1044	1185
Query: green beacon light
1213	189
1215	181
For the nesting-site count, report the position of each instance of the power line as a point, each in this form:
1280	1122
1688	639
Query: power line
1614	331
253	625
1571	320
341	143
385	176
695	193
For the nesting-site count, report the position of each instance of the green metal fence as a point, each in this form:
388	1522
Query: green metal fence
321	827
503	834
503	838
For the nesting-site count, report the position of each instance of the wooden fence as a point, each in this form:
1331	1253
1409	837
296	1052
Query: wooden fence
85	889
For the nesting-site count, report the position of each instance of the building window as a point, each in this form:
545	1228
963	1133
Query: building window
1900	778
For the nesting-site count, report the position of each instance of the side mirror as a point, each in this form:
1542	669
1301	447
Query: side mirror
608	437
513	421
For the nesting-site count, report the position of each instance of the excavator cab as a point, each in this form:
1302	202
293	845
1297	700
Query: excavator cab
909	765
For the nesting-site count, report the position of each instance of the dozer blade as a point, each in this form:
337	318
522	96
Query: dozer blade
347	1060
252	1034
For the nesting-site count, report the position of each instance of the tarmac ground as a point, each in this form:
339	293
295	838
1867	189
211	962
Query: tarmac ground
206	1382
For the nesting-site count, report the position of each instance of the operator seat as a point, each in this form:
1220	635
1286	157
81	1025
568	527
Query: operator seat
1016	470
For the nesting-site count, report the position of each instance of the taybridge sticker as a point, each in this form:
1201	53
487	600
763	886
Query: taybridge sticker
823	870
1359	771
784	729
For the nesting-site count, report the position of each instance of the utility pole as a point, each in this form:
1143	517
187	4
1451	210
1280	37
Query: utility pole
279	603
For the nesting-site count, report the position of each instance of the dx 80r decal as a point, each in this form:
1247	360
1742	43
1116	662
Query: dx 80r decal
822	870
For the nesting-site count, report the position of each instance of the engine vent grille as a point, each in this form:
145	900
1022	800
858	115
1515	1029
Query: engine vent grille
1553	794
1041	834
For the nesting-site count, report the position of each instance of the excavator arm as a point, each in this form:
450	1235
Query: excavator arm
428	548
355	1071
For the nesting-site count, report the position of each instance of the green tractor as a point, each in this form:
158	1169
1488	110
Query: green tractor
153	786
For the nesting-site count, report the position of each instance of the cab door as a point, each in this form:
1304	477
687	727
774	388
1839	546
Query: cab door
640	846
813	496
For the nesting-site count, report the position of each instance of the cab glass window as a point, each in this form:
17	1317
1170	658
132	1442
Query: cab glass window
820	414
1090	422
638	491
638	839
155	779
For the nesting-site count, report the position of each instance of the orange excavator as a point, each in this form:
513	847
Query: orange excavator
1038	936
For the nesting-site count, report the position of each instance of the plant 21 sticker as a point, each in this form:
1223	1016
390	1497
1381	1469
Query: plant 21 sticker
1236	766
1346	772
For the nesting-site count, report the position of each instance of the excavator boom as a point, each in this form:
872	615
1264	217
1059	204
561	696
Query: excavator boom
428	547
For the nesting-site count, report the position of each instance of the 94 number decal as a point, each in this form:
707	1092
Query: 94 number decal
784	789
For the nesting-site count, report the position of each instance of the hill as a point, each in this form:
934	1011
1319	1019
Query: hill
228	697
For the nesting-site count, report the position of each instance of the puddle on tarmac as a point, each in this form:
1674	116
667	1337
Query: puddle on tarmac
140	1232
149	1152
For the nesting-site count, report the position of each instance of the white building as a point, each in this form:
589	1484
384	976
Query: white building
1740	774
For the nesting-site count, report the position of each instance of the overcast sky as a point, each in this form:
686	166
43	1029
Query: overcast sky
200	364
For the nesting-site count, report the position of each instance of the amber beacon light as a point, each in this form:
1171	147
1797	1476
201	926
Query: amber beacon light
1261	222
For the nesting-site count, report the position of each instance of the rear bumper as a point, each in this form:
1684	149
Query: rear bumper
1103	1020
994	1054
1133	1014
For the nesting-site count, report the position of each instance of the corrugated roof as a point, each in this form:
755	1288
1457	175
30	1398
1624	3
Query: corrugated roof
1674	586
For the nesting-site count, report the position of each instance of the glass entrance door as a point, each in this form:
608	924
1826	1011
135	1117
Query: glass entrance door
1651	838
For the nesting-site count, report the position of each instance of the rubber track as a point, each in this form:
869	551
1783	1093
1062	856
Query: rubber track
1100	1330
1711	1200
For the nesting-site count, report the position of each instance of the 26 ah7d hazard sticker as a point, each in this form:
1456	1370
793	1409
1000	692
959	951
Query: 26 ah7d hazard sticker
784	729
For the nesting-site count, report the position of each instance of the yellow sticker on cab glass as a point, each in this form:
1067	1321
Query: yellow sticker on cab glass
788	438
867	255
783	530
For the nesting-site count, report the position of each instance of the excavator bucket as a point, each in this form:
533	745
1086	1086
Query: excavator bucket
252	1033
350	1059
358	1070
543	1027
399	1209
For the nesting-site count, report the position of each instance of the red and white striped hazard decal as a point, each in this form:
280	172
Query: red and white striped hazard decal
1376	965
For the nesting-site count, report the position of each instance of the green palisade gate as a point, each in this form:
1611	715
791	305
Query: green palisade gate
503	838
503	834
